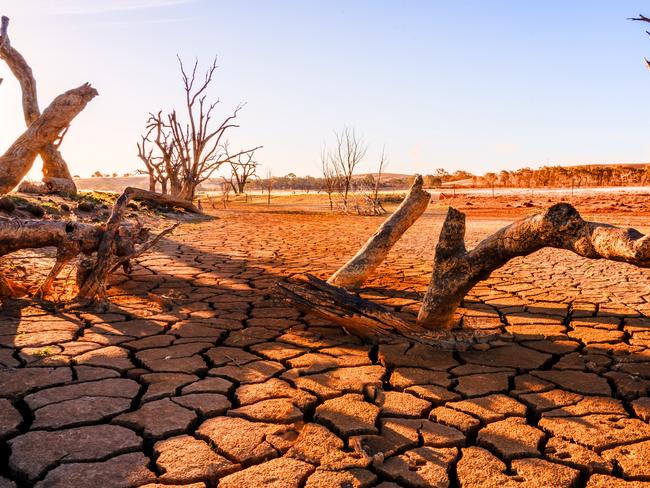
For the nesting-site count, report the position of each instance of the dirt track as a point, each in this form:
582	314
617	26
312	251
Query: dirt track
218	382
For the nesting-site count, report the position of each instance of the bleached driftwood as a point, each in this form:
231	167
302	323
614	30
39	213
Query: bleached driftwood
456	270
357	270
46	129
56	174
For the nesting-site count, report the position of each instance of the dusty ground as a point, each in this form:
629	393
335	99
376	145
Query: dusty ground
507	203
201	375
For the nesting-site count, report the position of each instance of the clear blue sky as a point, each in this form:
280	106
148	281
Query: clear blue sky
475	85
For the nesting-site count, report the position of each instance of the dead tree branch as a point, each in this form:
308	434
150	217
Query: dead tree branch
107	257
353	273
18	159
114	243
167	200
456	270
642	18
360	317
243	167
56	174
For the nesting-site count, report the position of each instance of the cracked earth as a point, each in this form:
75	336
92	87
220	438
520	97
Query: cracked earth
200	376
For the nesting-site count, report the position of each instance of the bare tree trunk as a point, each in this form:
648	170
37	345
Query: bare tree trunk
372	254
18	159
187	191
23	234
56	174
70	239
152	183
457	270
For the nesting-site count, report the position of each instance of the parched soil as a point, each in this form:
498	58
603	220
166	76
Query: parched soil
200	376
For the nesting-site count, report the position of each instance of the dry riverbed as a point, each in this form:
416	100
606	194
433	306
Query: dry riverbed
200	376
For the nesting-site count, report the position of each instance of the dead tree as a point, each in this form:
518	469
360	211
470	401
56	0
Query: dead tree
243	168
269	186
456	270
191	145
331	178
150	162
106	246
56	174
643	18
344	158
46	129
383	162
163	166
226	185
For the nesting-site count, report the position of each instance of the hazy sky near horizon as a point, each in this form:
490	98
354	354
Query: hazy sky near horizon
468	84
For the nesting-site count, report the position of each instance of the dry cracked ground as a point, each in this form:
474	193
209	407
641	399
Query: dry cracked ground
200	376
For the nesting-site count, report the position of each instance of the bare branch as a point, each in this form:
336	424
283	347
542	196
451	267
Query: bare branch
4	36
641	18
56	174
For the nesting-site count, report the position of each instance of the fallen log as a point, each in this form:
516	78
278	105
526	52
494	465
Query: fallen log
56	175
167	200
112	244
108	255
18	159
456	271
360	317
353	273
367	320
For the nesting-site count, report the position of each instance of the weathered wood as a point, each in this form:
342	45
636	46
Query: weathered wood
368	320
96	280
456	271
56	174
115	244
18	159
168	200
18	234
360	317
353	273
69	238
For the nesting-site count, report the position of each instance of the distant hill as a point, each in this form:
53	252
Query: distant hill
467	182
117	184
398	179
385	176
621	165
